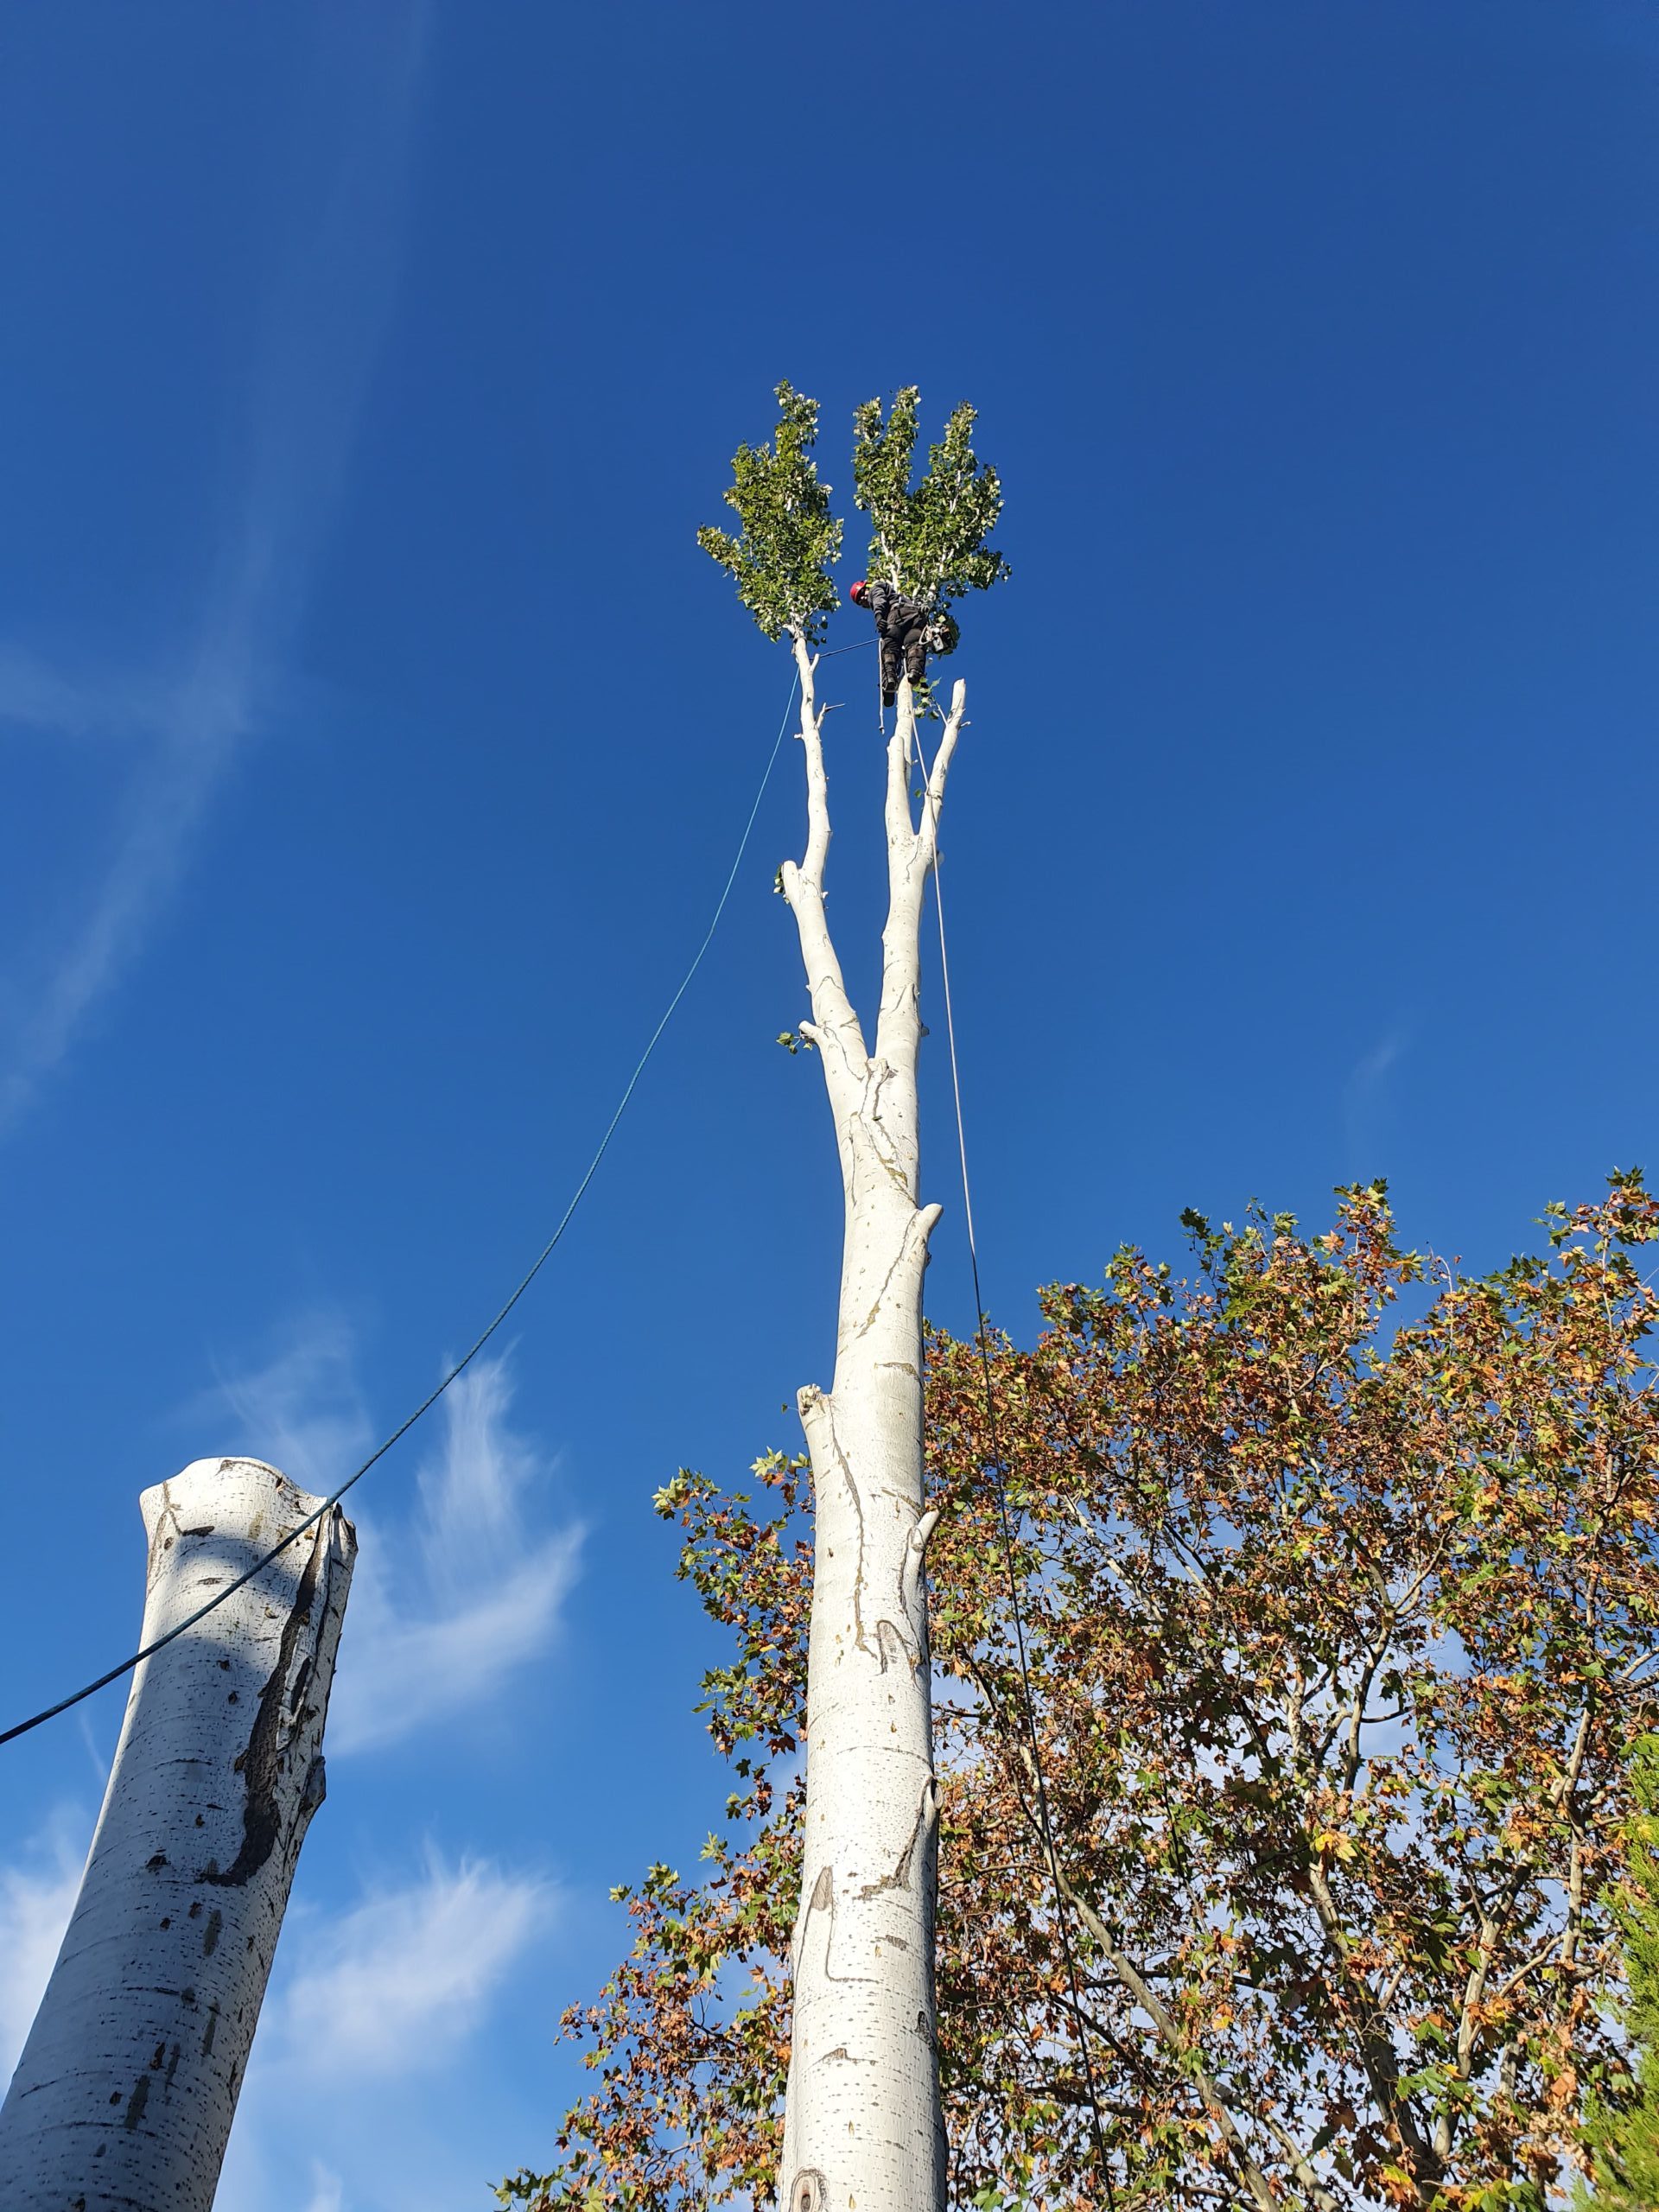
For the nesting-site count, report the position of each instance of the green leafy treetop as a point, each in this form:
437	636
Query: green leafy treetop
781	559
1623	2135
929	542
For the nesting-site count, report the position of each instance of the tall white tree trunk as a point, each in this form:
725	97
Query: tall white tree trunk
862	2124
124	2096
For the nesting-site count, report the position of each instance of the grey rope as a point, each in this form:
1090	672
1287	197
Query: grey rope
997	1470
114	1675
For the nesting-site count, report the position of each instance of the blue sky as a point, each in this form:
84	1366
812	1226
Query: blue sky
376	741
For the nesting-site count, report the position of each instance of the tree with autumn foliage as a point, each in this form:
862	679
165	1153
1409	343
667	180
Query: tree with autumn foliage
1343	1612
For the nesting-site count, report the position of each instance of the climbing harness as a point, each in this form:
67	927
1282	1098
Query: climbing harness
941	635
114	1675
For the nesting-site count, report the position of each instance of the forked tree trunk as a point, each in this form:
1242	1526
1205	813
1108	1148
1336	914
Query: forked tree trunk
863	2123
124	2096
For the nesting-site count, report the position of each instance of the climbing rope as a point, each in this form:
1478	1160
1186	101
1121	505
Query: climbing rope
114	1674
997	1469
995	1466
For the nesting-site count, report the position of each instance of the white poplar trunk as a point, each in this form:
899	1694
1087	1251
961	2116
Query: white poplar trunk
862	2126
124	2096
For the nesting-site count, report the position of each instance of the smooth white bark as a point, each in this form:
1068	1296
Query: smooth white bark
124	2096
862	2124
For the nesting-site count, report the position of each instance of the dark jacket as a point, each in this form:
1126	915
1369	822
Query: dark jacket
895	614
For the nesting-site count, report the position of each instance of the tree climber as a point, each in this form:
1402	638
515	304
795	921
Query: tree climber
902	626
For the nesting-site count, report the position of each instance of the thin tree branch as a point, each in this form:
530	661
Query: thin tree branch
1262	2193
835	1028
1376	2051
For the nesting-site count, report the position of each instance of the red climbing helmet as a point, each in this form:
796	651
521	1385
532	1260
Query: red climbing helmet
857	594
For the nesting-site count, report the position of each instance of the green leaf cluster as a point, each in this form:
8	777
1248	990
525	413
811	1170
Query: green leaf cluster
928	541
780	559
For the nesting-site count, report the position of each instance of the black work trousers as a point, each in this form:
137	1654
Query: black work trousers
902	651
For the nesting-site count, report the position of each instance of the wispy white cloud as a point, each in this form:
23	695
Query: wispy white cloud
474	1594
447	1603
407	1673
300	1410
36	696
327	2192
164	803
326	309
1364	1104
36	1898
398	1984
375	2082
